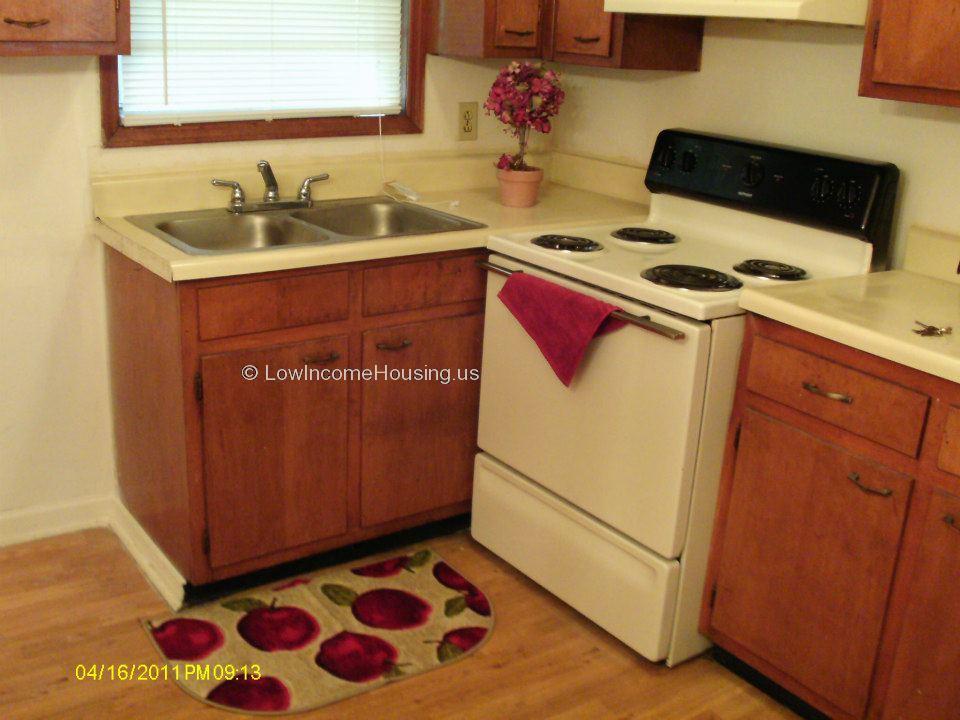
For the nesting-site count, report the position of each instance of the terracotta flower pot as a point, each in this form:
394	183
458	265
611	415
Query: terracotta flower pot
519	188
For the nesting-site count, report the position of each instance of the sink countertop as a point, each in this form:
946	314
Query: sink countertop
559	206
875	313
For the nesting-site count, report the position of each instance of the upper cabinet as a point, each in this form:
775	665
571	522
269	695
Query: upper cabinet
912	51
569	31
79	27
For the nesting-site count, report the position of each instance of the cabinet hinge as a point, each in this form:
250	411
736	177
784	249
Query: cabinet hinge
713	596
198	387
876	34
736	438
116	5
205	542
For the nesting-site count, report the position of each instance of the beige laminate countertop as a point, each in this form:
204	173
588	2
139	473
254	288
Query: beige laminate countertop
558	206
875	313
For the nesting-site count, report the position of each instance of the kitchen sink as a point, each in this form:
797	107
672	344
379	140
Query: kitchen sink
211	232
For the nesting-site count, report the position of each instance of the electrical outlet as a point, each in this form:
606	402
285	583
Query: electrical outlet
467	125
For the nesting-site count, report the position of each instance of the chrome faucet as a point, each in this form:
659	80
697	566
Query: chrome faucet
271	192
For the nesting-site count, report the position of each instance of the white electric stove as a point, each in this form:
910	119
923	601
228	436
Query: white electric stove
604	492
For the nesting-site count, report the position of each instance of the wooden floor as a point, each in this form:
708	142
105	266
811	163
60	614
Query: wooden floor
77	598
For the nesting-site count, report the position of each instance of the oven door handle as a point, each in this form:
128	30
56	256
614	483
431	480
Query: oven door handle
640	321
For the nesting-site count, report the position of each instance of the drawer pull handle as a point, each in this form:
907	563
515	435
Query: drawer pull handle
587	40
839	397
321	359
518	33
28	24
952	522
855	479
403	345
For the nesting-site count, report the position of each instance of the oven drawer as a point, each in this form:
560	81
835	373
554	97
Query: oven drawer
879	410
627	590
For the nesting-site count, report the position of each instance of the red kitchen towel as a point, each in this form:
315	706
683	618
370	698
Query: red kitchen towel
561	322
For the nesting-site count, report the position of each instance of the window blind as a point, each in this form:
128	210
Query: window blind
210	60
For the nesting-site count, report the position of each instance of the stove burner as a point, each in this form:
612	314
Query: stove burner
645	235
771	269
691	277
570	243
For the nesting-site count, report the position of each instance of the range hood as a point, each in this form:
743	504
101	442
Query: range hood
841	12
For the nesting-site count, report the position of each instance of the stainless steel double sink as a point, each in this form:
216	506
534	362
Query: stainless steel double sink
212	232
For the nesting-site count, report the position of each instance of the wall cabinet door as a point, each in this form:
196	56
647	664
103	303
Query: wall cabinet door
517	24
581	27
808	550
924	682
275	453
912	52
419	436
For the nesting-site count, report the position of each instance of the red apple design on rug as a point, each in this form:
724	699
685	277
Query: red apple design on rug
358	658
384	608
393	566
265	694
471	597
187	638
457	642
271	628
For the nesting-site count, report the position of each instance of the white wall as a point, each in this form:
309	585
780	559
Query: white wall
792	84
55	433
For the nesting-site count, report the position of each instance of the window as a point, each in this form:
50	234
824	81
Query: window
265	69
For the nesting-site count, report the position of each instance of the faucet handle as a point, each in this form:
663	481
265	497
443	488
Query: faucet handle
237	198
304	194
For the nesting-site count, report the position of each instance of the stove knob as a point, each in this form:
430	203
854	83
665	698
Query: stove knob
667	157
815	189
753	173
688	162
826	187
853	191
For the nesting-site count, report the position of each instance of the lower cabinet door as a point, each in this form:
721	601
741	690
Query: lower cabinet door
419	431
275	449
924	683
809	545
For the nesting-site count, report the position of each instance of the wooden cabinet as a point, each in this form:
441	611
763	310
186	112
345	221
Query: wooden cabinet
50	27
923	684
419	434
837	538
274	450
229	474
808	554
570	31
912	51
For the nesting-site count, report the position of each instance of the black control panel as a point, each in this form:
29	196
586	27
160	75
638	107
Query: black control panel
855	197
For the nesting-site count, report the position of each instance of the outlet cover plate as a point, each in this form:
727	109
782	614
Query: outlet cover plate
467	121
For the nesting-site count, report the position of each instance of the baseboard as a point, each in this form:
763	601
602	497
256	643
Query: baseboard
102	511
18	526
161	573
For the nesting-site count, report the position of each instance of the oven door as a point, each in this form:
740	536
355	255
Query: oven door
621	442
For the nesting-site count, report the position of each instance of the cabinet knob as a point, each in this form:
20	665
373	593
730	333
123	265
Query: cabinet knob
587	40
518	33
839	397
952	522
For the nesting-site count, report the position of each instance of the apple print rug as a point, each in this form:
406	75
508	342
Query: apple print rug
296	645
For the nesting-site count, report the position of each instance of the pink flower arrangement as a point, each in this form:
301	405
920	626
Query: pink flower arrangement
524	96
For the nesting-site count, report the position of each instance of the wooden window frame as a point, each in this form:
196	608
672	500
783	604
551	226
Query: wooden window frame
409	121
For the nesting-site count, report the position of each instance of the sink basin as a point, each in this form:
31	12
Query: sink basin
233	233
380	218
208	232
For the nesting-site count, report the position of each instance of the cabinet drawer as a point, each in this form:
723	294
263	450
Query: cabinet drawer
413	285
51	21
876	409
251	307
